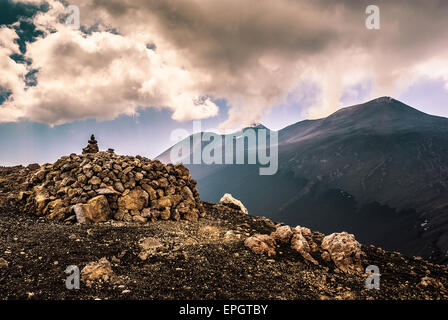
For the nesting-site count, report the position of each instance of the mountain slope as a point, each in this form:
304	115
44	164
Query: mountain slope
378	170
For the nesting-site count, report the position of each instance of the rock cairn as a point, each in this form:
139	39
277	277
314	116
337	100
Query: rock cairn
92	146
99	186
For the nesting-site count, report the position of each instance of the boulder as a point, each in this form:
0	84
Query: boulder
149	243
100	270
135	199
118	186
146	213
282	234
230	201
191	215
150	190
95	180
41	198
187	193
165	202
300	244
96	210
165	214
139	219
55	210
261	244
344	251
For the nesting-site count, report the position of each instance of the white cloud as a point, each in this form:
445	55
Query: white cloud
252	53
13	74
101	75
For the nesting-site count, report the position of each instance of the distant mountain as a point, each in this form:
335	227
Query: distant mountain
378	170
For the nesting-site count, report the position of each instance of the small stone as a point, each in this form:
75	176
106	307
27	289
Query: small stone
139	219
97	270
191	215
431	282
146	213
106	191
3	263
95	180
127	170
138	176
165	214
118	186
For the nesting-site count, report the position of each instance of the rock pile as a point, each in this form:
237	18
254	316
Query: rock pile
341	248
98	186
12	181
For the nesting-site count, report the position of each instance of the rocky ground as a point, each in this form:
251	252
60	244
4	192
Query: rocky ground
206	259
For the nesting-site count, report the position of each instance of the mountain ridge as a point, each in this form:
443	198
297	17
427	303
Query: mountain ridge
395	160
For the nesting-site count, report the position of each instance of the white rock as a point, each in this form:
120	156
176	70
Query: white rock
228	199
77	208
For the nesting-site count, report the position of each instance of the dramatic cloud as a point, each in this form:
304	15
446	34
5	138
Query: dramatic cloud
182	54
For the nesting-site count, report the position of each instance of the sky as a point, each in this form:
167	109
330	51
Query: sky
135	70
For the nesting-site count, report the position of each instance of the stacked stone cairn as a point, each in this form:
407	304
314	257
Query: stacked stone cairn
92	146
98	186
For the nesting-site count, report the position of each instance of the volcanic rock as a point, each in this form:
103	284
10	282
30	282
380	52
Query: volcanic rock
230	201
135	199
344	250
302	242
96	210
282	234
149	247
261	244
100	270
431	282
3	263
